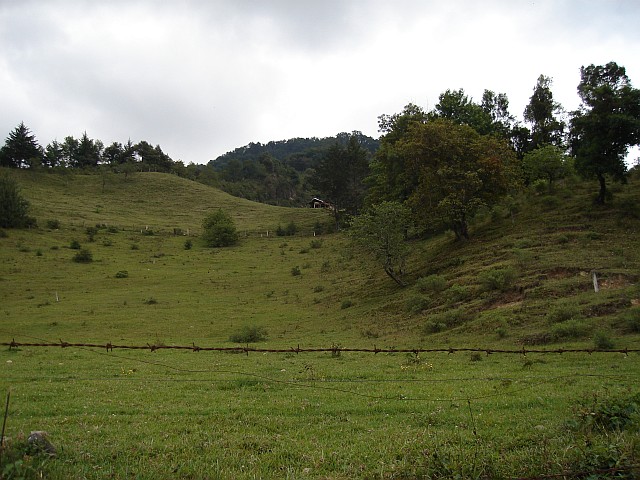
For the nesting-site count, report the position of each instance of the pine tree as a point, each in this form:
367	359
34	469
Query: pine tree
21	149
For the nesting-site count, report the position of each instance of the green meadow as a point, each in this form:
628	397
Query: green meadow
524	281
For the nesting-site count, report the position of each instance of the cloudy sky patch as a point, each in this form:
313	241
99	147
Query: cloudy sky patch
202	78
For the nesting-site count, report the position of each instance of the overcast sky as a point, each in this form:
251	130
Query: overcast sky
201	78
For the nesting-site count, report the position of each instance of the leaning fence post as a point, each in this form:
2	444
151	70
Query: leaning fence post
4	422
596	288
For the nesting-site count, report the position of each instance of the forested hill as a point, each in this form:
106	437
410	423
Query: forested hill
300	153
278	172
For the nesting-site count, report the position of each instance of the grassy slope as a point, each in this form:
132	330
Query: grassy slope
194	415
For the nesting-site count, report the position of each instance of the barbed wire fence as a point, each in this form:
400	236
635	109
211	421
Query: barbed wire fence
334	349
108	348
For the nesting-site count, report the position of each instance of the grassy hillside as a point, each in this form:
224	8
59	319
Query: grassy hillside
523	280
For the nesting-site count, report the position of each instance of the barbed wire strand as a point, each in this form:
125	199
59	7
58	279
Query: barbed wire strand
336	350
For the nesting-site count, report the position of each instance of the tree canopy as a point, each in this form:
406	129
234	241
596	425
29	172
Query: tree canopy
606	124
542	114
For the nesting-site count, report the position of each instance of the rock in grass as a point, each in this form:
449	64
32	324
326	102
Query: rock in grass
40	444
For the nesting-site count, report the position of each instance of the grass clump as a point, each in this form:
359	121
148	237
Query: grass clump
249	334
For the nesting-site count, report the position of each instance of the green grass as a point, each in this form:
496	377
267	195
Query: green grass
185	414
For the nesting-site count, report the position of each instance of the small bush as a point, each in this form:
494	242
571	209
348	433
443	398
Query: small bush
540	186
562	313
522	257
602	341
417	304
75	245
83	256
431	284
122	274
316	243
53	224
475	357
630	320
188	244
91	233
318	289
112	229
550	202
249	334
295	271
446	320
571	329
434	327
458	293
147	232
135	246
290	230
498	278
151	301
346	304
501	332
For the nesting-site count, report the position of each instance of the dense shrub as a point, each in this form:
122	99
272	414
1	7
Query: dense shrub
458	293
249	334
53	224
219	230
498	278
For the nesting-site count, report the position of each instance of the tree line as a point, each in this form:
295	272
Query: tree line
442	164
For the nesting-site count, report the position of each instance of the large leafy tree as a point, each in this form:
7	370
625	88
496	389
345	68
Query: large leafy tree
543	113
21	149
606	124
388	178
456	171
381	231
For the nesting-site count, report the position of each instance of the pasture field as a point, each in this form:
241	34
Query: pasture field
519	283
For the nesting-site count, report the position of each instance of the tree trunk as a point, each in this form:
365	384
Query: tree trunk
461	229
603	190
394	276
